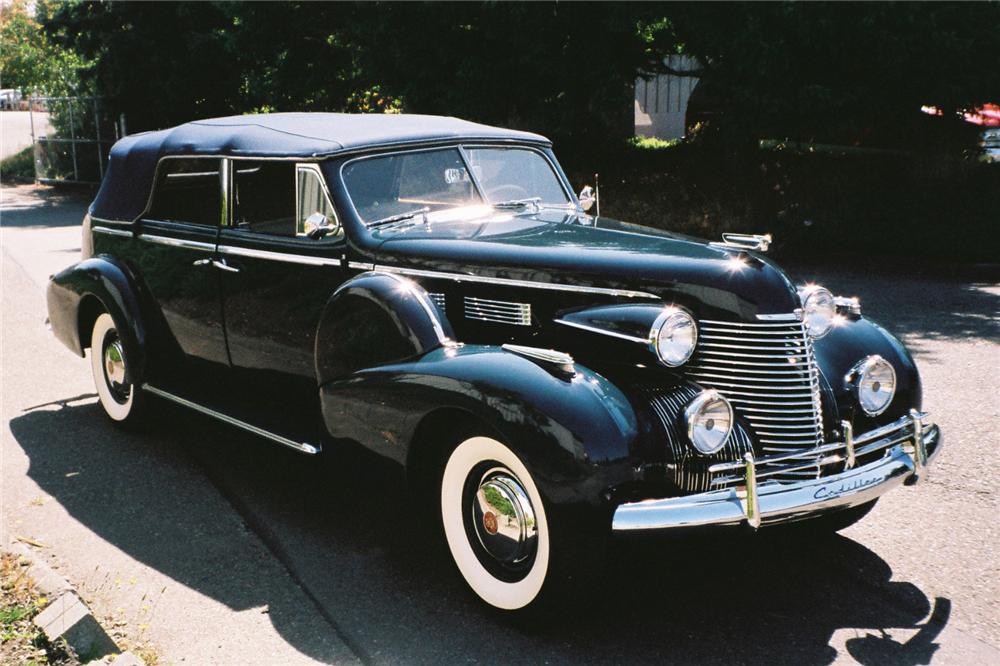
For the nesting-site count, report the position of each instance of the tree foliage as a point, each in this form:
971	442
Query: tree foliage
29	60
804	70
842	71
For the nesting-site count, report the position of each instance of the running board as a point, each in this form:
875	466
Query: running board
301	447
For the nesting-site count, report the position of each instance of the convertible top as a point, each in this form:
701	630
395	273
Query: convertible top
132	166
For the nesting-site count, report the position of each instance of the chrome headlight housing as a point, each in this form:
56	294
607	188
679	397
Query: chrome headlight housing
818	310
673	337
873	383
709	421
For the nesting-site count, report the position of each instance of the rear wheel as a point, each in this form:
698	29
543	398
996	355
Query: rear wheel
122	401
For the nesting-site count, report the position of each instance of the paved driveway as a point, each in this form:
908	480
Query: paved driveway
217	547
15	130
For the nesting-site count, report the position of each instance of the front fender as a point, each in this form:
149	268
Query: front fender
850	342
575	432
373	319
110	282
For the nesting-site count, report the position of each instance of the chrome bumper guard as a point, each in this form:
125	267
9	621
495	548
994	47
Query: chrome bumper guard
909	445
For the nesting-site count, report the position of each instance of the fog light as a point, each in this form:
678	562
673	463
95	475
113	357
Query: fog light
709	420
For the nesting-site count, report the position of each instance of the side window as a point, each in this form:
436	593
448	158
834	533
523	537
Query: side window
264	196
315	216
188	190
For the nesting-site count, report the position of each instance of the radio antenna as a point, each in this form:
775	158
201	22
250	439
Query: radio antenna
597	192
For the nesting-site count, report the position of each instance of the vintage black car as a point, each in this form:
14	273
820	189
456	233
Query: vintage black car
432	289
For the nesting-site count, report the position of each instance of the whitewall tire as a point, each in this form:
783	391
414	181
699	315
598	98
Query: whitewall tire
120	399
494	523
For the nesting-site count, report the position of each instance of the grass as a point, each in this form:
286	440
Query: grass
20	641
19	167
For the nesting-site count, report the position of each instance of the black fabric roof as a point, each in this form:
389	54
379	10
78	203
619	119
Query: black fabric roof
126	185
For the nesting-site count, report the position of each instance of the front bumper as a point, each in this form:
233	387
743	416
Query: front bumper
909	445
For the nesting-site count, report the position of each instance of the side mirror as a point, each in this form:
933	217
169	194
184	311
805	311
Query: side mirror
587	197
317	226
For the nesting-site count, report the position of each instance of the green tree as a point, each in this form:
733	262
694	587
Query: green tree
29	60
855	72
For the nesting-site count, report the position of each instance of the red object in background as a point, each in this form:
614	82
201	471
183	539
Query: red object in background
987	115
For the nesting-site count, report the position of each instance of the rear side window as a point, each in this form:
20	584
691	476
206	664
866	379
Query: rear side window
188	190
264	197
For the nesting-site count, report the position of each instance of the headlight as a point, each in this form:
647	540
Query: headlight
673	337
818	310
709	420
873	382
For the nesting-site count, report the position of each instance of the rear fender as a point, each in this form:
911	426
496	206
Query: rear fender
112	285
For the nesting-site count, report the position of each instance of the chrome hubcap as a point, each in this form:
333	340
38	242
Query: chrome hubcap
504	519
114	364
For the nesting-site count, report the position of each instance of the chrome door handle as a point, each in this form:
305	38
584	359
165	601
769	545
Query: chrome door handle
223	266
216	263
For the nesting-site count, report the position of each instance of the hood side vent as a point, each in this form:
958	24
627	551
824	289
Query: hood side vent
438	299
501	312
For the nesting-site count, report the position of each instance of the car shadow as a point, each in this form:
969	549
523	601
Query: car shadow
348	533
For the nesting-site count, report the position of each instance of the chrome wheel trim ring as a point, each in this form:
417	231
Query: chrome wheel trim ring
461	468
114	363
503	517
116	399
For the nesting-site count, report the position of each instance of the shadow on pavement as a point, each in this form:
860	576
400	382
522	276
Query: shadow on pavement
346	530
918	308
34	207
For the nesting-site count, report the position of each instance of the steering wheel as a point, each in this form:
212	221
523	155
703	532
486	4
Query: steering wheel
510	193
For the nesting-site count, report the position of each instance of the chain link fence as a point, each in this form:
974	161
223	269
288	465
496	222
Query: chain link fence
73	145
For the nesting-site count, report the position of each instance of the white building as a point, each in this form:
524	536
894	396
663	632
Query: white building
661	102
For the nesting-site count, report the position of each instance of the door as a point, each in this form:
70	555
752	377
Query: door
284	249
178	237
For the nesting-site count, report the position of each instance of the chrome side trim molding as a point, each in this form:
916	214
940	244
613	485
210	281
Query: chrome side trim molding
285	257
508	282
124	233
360	266
794	315
301	447
602	331
177	242
116	223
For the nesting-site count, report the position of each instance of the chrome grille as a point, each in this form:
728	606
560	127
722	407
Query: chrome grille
692	471
769	373
503	312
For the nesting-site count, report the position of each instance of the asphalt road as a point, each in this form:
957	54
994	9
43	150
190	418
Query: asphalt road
212	546
15	130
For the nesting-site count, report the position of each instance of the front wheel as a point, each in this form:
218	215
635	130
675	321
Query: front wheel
495	524
122	401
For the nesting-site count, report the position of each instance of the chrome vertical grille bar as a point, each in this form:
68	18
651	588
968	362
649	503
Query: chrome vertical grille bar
769	373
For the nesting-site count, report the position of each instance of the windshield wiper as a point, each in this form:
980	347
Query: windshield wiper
515	204
400	217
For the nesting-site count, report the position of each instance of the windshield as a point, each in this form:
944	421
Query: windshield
432	180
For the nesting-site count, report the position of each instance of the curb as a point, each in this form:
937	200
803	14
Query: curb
68	617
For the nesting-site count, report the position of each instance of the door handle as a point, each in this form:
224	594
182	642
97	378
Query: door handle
217	263
223	266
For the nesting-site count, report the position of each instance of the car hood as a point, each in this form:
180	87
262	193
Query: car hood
556	247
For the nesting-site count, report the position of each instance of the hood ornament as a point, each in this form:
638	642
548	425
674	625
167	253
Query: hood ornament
745	242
